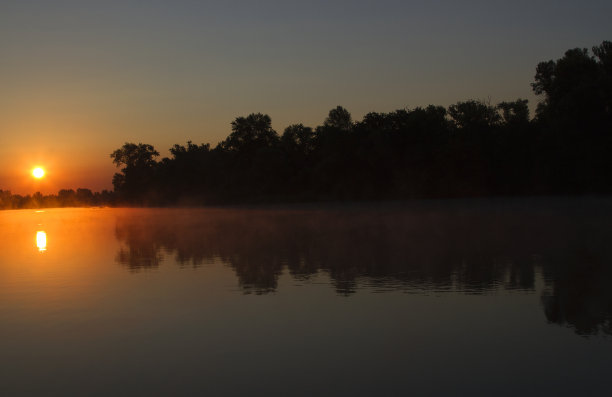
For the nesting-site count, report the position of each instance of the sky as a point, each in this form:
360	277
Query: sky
81	78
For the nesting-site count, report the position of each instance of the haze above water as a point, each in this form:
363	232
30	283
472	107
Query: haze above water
503	297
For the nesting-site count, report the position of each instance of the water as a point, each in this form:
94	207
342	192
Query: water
480	297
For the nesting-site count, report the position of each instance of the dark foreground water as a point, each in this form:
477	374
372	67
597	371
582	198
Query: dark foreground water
476	297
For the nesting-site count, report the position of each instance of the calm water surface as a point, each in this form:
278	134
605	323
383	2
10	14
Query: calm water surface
475	297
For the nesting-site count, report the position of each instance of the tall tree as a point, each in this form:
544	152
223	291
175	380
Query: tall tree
251	132
139	165
574	87
339	118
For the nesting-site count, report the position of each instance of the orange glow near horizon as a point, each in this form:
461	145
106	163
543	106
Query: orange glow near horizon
38	172
89	167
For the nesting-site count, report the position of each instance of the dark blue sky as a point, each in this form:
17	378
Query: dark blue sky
96	74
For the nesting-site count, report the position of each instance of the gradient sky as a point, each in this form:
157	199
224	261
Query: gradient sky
80	78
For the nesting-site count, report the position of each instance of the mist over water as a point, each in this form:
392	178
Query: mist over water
362	299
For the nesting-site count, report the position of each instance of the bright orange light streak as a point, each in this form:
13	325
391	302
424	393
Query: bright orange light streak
41	241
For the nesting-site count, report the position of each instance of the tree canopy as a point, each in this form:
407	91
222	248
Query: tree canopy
471	148
577	88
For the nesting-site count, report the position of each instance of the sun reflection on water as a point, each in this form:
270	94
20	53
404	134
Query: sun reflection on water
41	241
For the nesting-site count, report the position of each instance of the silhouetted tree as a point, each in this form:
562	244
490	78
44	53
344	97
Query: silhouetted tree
67	197
250	133
298	138
6	201
297	145
134	182
135	155
575	120
473	114
514	113
339	118
84	196
251	159
576	88
36	201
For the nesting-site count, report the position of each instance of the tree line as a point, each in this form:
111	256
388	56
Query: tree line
64	198
472	148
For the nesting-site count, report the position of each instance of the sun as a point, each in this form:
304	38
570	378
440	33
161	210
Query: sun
38	172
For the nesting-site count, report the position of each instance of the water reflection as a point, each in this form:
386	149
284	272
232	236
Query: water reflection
474	248
41	241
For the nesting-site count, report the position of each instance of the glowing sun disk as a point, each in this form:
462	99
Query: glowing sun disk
38	172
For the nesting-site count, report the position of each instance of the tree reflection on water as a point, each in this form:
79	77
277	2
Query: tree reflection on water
473	247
